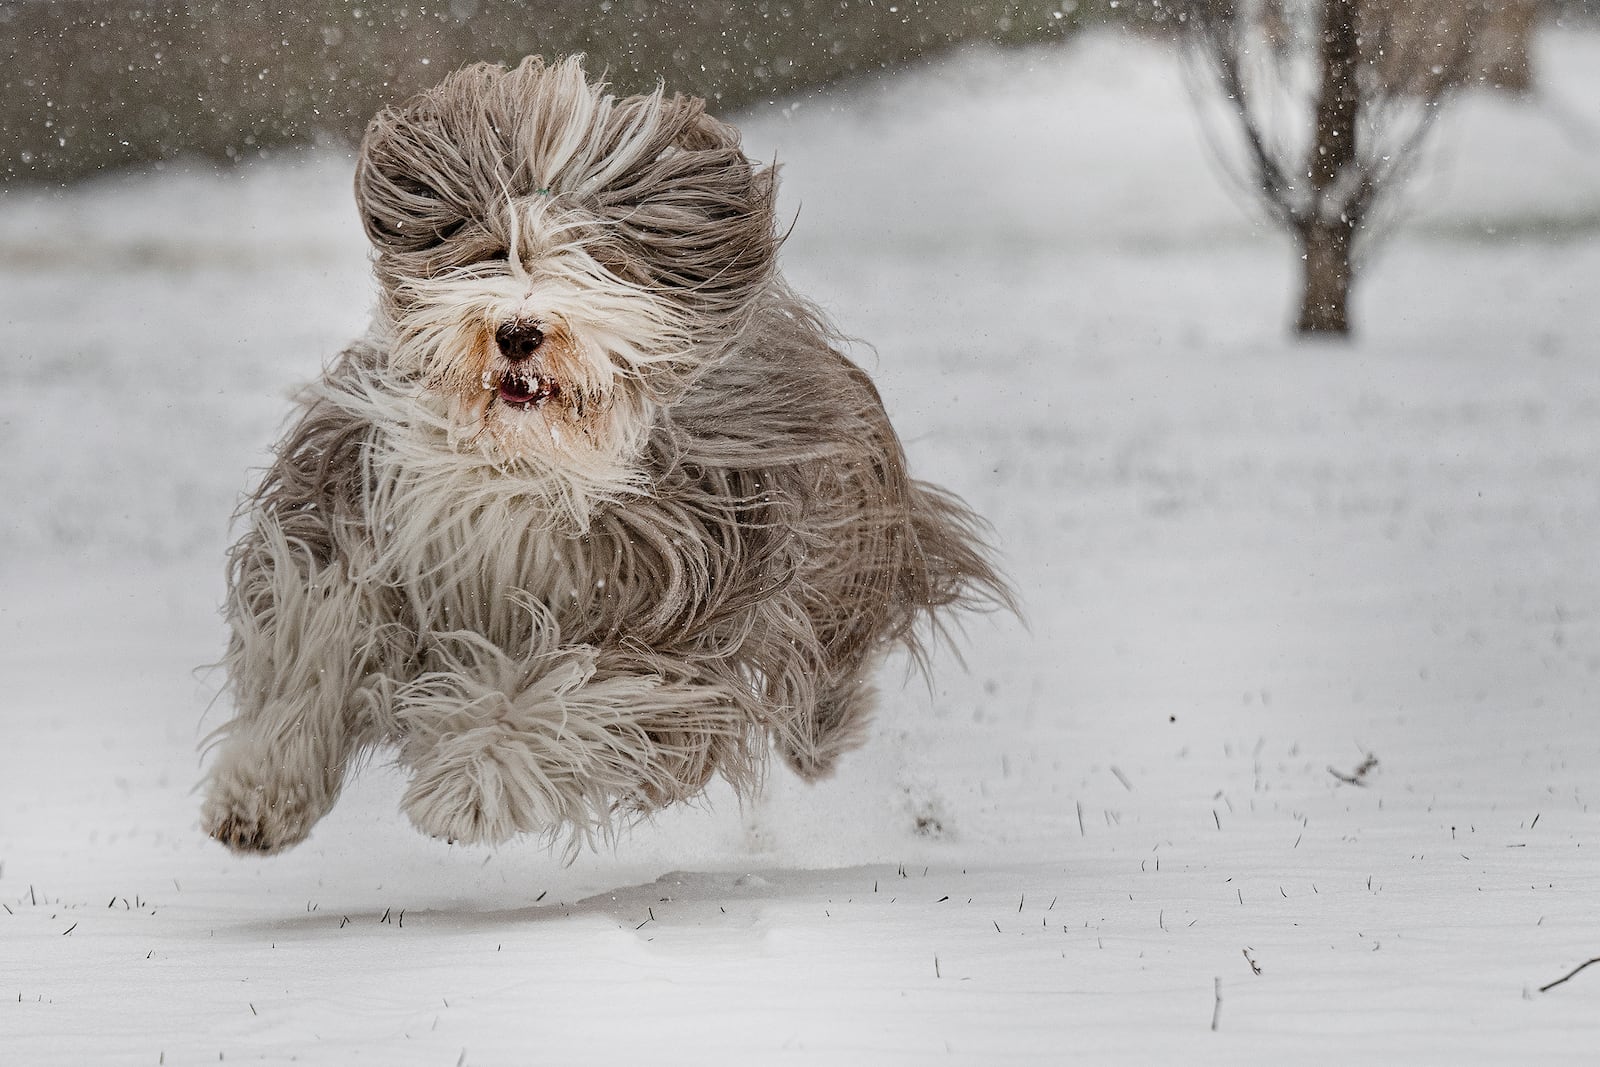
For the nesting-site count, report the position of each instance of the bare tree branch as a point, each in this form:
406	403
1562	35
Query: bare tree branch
1320	164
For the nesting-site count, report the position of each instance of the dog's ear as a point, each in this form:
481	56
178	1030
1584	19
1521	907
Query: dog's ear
694	217
419	180
401	209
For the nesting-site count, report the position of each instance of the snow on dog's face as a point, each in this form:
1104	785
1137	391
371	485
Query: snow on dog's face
556	264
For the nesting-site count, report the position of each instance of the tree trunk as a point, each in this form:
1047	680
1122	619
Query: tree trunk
1328	225
1325	295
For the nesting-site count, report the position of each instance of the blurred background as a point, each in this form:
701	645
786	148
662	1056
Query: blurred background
89	85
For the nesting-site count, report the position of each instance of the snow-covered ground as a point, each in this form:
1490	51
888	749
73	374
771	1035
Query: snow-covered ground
1247	562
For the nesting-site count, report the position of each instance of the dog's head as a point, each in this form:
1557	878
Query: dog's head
557	264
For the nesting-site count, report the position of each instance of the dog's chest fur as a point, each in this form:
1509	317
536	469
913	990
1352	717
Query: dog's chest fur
470	546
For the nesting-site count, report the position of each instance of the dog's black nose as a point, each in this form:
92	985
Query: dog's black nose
519	339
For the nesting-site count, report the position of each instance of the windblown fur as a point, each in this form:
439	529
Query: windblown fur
595	508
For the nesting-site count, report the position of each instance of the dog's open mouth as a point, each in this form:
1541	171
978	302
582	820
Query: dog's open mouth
522	388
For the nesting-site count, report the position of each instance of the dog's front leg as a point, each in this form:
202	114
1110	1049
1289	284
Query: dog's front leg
563	740
300	664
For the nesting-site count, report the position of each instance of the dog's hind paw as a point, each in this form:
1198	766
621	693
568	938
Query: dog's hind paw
837	725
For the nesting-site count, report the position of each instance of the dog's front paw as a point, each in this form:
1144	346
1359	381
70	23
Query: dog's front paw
479	791
251	812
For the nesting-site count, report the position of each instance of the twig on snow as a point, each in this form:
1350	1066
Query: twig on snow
1359	775
1569	974
1216	1002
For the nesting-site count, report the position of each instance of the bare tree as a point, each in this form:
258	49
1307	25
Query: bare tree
1334	99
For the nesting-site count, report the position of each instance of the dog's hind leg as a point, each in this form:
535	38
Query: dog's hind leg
300	666
561	742
890	584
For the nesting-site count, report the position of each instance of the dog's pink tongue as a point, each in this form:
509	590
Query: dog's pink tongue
516	391
527	389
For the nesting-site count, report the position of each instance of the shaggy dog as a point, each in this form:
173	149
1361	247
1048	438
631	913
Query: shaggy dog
596	506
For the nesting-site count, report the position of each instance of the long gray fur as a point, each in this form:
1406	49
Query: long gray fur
565	616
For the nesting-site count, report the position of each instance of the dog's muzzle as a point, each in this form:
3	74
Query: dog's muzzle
519	341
